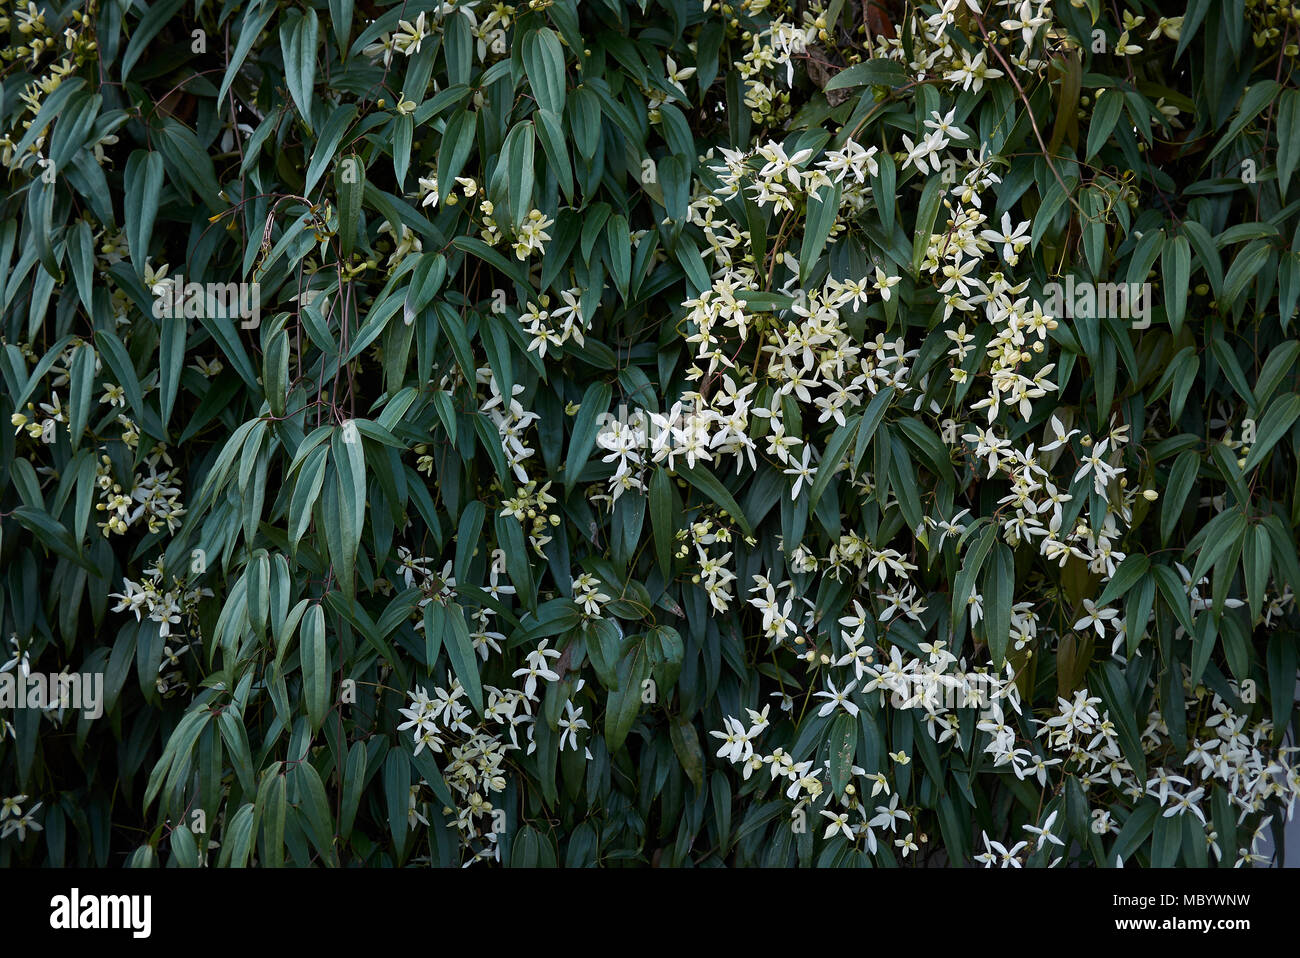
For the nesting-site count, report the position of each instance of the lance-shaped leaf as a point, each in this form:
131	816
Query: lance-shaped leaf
316	678
298	37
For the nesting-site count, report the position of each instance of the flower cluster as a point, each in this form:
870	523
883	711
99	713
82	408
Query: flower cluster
14	821
165	598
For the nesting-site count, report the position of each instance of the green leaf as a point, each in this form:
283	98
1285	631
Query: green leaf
144	183
350	186
346	504
586	426
1137	827
1281	679
298	37
619	242
313	801
52	534
455	146
604	644
717	493
323	154
927	211
1207	254
1257	562
584	121
1259	95
999	596
1181	478
822	209
970	568
1115	695
254	22
517	155
1227	527
1288	138
836	449
510	536
686	745
275	372
1176	270
306	491
1137	611
403	131
316	678
663	519
1127	574
118	360
81	255
1204	635
843	743
464	661
544	63
354	779
238	838
1105	114
476	247
171	360
550	133
184	848
155	18
397	790
1277	367
1171	589
876	72
871	419
1275	423
236	740
81	374
1243	271
623	704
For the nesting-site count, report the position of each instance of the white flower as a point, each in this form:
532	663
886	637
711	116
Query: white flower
802	471
570	724
537	667
1045	833
837	698
21	824
1095	618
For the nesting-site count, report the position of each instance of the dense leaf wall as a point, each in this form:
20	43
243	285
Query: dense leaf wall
666	432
